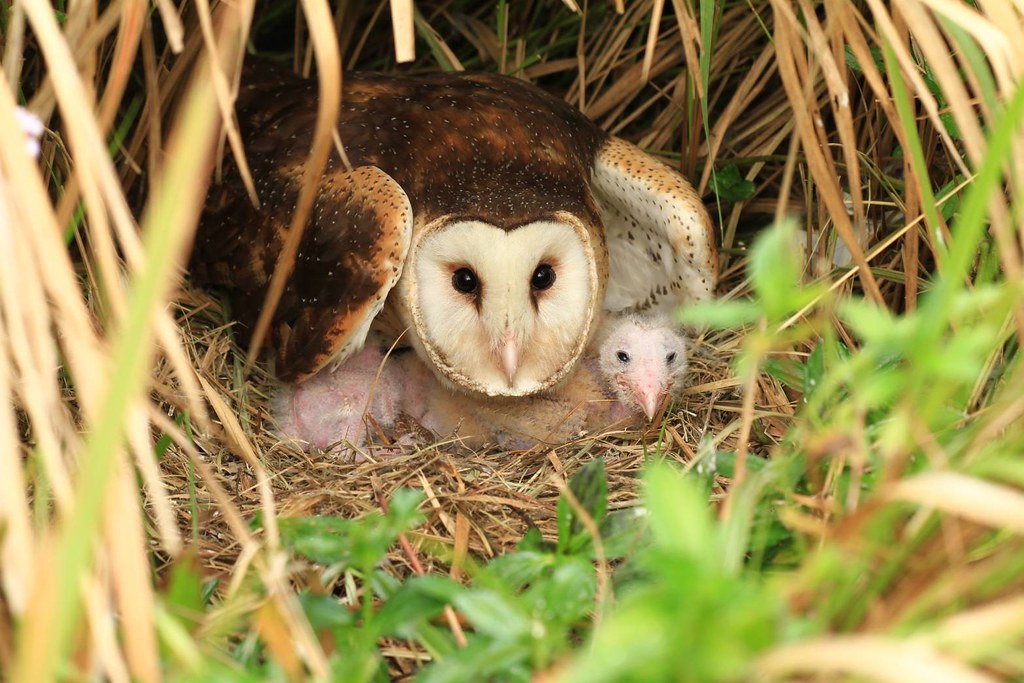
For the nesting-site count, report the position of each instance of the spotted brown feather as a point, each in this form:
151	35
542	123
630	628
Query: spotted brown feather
660	236
350	257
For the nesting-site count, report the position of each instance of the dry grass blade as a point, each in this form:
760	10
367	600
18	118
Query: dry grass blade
133	17
834	71
107	655
17	547
744	94
652	38
225	93
964	496
14	44
172	24
324	41
982	624
282	610
797	77
912	73
162	509
887	660
133	591
47	628
29	381
690	37
404	28
94	171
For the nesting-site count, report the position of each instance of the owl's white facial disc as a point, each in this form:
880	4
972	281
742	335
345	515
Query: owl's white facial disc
507	313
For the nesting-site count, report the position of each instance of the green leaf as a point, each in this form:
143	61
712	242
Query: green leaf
481	660
357	663
417	600
814	369
327	540
325	612
403	510
868	319
851	59
439	588
590	487
567	595
730	185
213	670
623	531
494	614
517	569
787	370
679	516
719	315
533	539
360	543
184	595
725	463
774	269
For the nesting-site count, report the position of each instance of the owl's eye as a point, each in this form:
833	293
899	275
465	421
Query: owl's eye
671	357
464	280
622	356
543	278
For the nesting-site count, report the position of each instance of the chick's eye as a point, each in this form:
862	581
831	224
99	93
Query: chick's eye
543	277
622	356
464	280
671	357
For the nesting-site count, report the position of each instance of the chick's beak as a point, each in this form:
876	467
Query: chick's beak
650	399
649	394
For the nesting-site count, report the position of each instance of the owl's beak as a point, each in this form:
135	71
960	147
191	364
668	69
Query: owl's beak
510	357
649	392
650	399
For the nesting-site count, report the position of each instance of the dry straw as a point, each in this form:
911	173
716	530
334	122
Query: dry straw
105	350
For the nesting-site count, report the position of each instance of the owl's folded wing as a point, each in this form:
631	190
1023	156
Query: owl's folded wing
351	255
661	241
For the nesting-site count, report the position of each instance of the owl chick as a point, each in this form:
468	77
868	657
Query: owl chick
370	391
330	407
642	361
638	364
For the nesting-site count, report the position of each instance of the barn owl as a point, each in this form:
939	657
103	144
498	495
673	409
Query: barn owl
639	362
485	220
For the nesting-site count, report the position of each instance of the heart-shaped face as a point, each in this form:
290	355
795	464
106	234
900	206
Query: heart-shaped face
503	312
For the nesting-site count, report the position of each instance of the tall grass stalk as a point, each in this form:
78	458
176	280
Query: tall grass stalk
173	211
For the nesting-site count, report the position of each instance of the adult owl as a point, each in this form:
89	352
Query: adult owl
487	221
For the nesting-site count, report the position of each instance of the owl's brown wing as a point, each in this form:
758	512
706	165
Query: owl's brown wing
661	241
350	256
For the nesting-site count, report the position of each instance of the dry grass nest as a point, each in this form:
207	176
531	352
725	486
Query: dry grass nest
481	501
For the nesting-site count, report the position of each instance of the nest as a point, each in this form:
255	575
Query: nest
493	494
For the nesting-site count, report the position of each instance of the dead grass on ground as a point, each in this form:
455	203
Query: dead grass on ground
480	500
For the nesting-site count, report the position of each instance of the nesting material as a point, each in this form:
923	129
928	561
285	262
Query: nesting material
500	492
